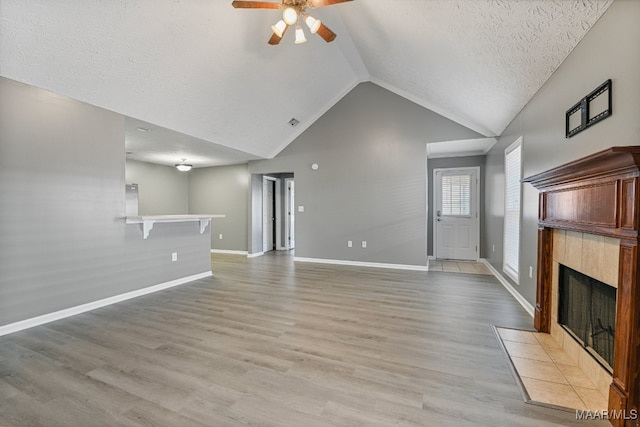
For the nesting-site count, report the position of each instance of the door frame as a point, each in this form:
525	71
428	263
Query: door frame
277	212
288	215
474	205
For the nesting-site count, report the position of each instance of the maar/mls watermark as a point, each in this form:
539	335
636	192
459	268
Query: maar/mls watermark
607	415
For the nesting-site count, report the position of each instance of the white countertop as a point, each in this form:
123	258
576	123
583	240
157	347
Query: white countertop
148	221
170	218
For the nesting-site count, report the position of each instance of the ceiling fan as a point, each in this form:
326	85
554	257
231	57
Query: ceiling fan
292	10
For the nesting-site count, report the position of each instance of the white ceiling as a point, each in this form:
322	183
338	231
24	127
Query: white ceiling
201	75
154	144
463	147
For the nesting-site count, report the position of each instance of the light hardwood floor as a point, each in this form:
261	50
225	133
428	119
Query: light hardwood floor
270	342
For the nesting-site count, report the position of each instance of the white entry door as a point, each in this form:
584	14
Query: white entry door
456	217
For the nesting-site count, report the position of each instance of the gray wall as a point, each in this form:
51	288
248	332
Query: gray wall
454	162
222	190
371	183
162	190
609	50
63	240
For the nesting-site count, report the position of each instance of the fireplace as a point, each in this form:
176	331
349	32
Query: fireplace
595	257
588	221
587	310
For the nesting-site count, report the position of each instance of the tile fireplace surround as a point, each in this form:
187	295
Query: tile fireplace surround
594	256
588	220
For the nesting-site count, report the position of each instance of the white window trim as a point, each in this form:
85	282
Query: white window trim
508	270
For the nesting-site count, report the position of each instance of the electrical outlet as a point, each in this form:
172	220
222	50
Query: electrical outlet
220	237
349	243
364	243
174	256
530	272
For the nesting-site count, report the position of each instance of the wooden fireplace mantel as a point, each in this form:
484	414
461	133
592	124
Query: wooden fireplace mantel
598	194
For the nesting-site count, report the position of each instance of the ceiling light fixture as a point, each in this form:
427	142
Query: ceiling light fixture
312	23
300	38
290	16
279	28
183	167
292	10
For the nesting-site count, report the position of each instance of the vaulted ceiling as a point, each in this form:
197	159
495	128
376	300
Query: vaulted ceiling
201	77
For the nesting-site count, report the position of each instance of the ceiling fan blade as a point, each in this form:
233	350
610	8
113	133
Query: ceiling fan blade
322	3
275	39
326	33
242	4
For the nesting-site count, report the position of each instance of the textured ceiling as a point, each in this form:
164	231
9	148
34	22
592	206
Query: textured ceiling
149	143
464	147
477	62
203	70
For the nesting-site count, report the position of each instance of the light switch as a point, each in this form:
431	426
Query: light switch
300	208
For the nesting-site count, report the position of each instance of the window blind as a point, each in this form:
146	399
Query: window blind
513	160
456	195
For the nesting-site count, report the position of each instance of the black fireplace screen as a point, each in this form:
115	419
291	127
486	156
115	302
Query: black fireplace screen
587	308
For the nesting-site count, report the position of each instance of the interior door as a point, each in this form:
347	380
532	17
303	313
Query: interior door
456	219
268	215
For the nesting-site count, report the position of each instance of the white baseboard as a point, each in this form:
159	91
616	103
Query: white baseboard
68	312
363	264
225	251
523	302
254	255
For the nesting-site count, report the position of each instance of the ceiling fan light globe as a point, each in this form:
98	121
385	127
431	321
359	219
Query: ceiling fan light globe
300	38
290	16
278	28
312	23
183	167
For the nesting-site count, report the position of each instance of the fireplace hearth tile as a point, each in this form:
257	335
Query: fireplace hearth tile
538	370
553	393
527	351
546	341
558	380
516	335
592	398
560	356
575	376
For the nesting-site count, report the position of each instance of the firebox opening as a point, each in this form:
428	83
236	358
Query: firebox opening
587	310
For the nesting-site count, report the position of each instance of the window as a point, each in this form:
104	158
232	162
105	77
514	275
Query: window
513	174
456	195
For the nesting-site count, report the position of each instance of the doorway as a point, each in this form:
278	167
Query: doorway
456	222
270	213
